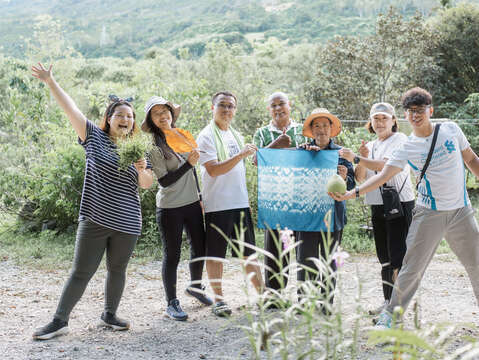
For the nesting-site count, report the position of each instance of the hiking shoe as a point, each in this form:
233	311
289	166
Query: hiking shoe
199	294
384	321
117	324
221	309
379	309
175	312
55	328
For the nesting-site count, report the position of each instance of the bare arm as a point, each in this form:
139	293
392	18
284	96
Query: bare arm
145	176
372	183
471	160
360	173
374	165
76	117
215	168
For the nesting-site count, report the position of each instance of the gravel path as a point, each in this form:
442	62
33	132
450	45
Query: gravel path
28	298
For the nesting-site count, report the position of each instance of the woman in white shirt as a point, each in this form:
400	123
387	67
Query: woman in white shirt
389	235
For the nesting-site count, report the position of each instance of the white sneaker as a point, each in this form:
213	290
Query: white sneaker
378	310
384	322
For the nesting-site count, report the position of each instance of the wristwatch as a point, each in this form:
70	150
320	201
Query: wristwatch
357	192
356	160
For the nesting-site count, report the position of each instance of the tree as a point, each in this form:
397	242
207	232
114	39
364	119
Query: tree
456	52
355	72
48	42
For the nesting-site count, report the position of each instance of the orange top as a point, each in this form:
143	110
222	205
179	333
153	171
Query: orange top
181	141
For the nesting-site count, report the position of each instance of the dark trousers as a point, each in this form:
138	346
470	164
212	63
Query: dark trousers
223	230
276	272
171	223
312	245
92	241
390	240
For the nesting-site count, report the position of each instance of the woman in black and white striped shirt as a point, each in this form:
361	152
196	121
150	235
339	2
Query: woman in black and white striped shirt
110	213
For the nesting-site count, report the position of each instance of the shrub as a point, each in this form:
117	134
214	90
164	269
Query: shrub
55	186
91	71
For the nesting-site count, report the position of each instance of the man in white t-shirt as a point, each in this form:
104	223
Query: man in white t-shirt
442	209
225	196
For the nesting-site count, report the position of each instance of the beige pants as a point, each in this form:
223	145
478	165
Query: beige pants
427	229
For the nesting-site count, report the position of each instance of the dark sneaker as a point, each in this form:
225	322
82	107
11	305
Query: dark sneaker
117	324
199	294
55	328
221	309
175	312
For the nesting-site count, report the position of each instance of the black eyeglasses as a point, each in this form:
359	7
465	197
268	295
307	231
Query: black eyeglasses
419	111
114	98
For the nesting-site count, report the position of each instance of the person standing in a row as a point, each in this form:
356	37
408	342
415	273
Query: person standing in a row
321	126
389	234
281	133
225	196
178	203
443	208
110	212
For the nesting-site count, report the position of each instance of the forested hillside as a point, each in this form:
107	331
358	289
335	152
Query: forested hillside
186	52
125	28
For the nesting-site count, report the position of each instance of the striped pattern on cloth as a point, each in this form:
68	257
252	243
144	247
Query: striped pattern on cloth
110	197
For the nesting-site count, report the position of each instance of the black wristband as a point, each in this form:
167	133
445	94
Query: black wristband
356	160
357	192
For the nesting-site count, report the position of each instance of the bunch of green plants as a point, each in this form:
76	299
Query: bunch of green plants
131	149
307	326
431	342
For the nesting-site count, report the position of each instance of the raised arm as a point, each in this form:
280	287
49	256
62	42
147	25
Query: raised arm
76	117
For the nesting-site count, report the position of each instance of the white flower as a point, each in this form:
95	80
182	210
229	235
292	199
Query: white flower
286	237
339	256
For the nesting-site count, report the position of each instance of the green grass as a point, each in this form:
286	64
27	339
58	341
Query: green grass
42	250
49	249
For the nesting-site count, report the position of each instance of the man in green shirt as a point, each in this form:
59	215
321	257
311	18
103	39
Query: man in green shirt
281	133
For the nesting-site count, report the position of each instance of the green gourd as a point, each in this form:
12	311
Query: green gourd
336	184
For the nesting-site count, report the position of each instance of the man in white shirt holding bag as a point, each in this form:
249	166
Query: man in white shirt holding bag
443	208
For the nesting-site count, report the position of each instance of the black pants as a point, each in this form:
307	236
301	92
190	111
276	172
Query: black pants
170	223
229	224
276	277
312	244
390	239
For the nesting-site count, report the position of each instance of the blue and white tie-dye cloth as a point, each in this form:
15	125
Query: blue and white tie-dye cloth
292	188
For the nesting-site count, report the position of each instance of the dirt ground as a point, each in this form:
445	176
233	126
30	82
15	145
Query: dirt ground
28	298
